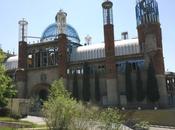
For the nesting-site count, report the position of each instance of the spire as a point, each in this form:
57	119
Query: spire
61	21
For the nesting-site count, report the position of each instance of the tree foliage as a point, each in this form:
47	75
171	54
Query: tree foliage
152	86
97	87
86	82
139	85
75	87
60	109
64	113
128	81
111	118
7	89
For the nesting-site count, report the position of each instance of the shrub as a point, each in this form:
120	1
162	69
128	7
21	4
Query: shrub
152	86
111	118
4	111
97	87
75	87
59	110
86	82
16	115
128	81
139	85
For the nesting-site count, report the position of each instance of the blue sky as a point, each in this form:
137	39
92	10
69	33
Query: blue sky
86	17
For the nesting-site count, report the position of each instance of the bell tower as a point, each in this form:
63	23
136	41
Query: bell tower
22	60
62	44
110	65
150	40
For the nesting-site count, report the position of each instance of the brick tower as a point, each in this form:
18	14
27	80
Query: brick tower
150	40
111	80
22	60
62	45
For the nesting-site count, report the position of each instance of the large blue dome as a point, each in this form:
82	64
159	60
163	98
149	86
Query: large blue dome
51	32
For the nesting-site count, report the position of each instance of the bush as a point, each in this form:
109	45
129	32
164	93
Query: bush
152	85
97	87
64	113
137	125
143	125
128	81
139	86
86	83
75	92
111	118
16	116
4	112
60	109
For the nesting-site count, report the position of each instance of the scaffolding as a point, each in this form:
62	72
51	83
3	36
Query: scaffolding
147	12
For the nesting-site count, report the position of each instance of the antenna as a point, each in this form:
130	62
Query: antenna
88	39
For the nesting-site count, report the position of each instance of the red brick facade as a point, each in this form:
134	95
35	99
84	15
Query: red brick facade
21	75
62	55
22	55
109	51
156	55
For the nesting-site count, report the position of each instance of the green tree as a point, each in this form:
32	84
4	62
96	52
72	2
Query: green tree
75	87
7	89
97	87
86	82
139	85
60	109
128	81
152	86
64	113
111	118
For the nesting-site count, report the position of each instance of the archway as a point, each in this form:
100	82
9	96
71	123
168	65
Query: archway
43	94
39	93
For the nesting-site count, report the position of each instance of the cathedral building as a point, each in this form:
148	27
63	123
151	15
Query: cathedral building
106	73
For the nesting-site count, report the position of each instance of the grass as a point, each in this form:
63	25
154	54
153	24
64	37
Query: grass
7	119
6	128
23	123
154	117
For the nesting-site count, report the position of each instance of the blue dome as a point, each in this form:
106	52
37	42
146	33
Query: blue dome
51	32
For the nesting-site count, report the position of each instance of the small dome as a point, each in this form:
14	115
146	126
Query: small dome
51	32
11	63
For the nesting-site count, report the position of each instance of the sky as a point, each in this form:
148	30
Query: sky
86	17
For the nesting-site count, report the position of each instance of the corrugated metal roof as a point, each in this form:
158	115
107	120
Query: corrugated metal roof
95	51
11	63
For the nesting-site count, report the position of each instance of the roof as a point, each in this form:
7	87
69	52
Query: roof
11	63
95	51
51	32
88	52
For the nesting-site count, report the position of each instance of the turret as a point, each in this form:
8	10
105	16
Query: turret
22	52
62	44
110	65
150	40
22	60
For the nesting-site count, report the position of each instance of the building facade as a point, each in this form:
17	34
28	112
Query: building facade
97	67
170	84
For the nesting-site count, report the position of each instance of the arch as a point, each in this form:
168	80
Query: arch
40	91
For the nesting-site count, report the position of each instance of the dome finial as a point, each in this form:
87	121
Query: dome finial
61	21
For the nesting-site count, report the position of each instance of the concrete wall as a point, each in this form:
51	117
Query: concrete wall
102	84
34	79
40	76
19	106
